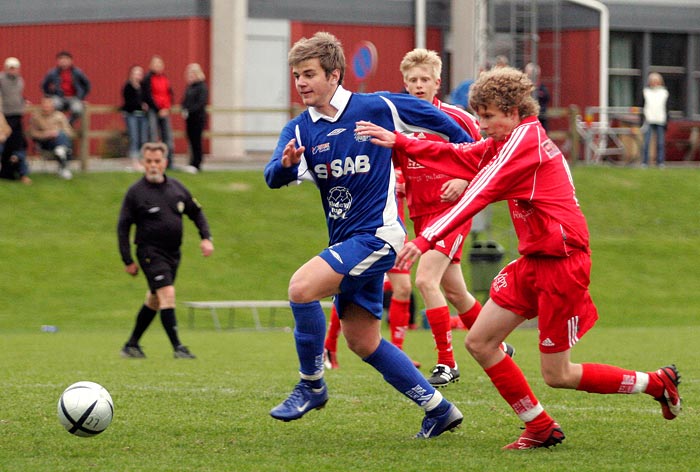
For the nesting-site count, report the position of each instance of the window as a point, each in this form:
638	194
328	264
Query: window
625	69
669	57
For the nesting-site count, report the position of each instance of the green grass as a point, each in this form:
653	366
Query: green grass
60	266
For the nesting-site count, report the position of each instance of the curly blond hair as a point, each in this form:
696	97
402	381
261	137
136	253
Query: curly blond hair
322	46
506	88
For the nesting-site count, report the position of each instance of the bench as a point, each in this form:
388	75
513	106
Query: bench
232	305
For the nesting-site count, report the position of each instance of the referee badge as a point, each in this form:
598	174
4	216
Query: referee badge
180	206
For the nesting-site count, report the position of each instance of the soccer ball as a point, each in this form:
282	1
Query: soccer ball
85	409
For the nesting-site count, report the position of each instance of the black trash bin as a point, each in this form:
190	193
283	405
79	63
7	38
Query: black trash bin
486	260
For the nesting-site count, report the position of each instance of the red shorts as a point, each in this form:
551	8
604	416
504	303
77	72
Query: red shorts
555	289
452	244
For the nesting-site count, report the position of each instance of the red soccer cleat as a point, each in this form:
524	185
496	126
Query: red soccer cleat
670	400
532	440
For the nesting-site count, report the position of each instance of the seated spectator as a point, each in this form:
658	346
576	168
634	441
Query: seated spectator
67	85
50	129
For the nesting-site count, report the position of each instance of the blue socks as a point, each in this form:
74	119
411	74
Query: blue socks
399	371
309	334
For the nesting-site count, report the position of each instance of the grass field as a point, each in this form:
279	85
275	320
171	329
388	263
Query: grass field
60	266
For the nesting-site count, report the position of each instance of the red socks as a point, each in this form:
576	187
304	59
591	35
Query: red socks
399	315
513	387
439	319
469	317
602	378
333	331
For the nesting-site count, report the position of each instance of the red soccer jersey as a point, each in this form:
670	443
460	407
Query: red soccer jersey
423	184
527	170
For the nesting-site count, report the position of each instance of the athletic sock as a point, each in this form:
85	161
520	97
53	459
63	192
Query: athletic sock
513	387
469	316
439	319
333	331
602	378
167	317
398	370
143	321
309	331
399	314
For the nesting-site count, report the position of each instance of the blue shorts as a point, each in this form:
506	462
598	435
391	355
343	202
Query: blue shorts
363	260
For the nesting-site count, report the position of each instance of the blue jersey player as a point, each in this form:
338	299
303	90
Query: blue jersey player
356	182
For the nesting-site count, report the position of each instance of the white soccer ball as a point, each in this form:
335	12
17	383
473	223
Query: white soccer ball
85	409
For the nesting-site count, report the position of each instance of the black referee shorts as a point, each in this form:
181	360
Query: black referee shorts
159	266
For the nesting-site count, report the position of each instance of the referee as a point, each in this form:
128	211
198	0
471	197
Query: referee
155	204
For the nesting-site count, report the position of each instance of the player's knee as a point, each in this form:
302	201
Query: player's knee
557	378
475	345
426	284
299	291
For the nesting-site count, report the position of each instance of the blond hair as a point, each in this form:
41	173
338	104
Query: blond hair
196	69
655	80
322	46
506	88
421	57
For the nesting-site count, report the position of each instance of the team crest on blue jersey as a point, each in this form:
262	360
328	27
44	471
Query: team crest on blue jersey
339	202
321	148
336	132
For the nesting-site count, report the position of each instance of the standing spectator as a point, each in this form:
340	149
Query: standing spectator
194	112
541	92
67	85
519	164
134	110
14	153
50	129
655	117
356	184
155	205
158	94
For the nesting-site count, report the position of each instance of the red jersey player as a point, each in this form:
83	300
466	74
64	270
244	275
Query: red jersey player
428	193
550	280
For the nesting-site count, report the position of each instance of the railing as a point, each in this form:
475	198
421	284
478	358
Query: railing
86	132
604	131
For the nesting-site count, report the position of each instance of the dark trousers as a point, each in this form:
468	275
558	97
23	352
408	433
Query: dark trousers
195	127
16	145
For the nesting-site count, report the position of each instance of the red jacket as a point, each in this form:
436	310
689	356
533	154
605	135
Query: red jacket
528	170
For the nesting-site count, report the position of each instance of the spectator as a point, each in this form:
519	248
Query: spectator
155	205
134	110
655	117
50	129
541	92
14	153
194	112
67	85
158	95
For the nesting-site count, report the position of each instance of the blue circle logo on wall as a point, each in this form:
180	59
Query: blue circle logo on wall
364	60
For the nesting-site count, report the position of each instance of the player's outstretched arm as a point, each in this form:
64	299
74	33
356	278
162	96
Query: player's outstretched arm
380	136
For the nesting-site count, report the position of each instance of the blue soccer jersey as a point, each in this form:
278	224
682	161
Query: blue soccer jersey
355	177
